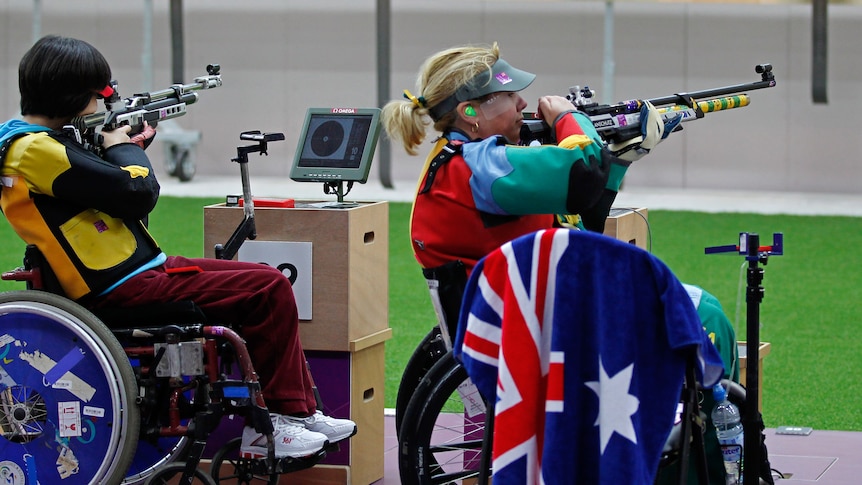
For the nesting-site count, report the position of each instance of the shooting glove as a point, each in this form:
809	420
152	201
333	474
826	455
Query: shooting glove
652	132
145	137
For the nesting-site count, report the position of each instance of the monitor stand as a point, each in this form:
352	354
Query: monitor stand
337	188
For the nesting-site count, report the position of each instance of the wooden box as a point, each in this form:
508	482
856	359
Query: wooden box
351	385
349	261
629	225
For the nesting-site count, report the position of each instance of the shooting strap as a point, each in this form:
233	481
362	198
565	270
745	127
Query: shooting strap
448	151
4	147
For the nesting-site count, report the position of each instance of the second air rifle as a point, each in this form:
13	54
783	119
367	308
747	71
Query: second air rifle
620	122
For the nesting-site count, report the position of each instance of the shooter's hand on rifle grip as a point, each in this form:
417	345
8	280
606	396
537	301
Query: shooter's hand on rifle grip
652	132
110	138
145	137
550	108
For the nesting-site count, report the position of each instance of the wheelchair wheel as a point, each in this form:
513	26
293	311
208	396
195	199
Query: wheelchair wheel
172	473
441	438
228	467
67	393
429	351
150	456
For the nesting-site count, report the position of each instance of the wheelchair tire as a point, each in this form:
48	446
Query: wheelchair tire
438	442
429	351
228	467
68	409
151	456
171	473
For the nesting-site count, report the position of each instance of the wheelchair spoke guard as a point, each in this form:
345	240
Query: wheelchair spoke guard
67	393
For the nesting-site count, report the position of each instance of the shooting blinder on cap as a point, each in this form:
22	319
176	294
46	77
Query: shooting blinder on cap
502	77
106	92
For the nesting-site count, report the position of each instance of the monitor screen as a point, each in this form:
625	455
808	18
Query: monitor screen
336	144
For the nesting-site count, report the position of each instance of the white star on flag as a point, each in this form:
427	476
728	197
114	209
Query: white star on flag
616	405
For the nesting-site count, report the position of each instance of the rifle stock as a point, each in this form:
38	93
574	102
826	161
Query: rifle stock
620	122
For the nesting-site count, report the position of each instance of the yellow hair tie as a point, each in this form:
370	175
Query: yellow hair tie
418	102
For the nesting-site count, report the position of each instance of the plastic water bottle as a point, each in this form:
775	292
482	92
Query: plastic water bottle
728	428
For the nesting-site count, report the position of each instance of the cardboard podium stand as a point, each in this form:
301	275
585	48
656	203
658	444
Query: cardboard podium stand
338	259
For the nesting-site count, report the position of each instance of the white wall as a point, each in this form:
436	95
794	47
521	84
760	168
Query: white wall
280	57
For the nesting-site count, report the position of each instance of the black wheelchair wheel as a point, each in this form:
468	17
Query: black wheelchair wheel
441	437
68	411
171	473
229	468
152	455
429	351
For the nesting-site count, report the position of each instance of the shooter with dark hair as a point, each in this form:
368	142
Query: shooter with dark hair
86	213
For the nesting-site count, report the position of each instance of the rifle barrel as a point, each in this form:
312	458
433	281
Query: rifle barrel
163	98
712	93
204	82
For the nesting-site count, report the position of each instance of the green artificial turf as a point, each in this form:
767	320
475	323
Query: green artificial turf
809	311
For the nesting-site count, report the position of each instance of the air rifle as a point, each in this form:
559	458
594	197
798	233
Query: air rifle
620	122
151	107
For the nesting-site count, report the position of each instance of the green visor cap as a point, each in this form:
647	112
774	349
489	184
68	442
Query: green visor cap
503	78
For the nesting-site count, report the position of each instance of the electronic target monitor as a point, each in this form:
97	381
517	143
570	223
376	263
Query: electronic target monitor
336	145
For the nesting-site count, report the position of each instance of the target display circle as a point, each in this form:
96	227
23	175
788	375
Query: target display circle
327	138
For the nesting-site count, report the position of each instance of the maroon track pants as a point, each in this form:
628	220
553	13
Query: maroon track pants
253	298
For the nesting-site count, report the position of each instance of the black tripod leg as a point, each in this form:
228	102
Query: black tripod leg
487	447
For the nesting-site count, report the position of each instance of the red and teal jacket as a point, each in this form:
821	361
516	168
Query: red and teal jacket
475	195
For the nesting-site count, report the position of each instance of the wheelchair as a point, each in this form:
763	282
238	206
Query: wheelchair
446	426
113	397
127	395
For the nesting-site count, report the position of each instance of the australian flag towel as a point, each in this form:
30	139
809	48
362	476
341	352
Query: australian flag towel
581	341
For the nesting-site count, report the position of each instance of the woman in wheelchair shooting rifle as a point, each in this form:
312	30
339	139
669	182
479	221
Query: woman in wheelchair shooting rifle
490	191
478	190
86	215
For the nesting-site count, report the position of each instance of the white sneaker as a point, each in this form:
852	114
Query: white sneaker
334	429
291	440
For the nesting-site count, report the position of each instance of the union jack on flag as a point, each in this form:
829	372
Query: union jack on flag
581	341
